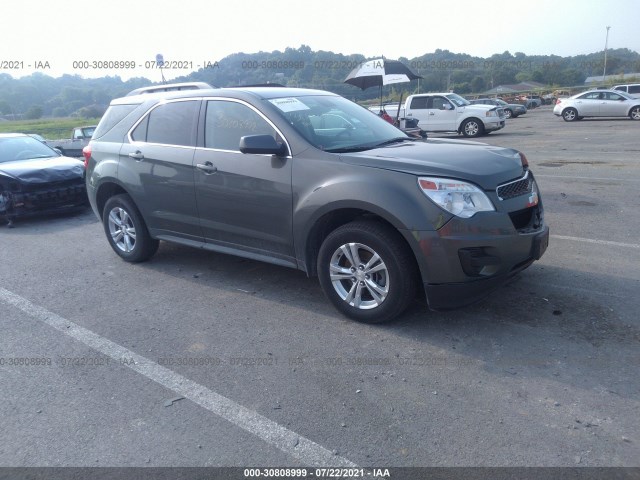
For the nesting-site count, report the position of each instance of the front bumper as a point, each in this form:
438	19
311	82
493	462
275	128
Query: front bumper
493	126
467	258
454	295
44	198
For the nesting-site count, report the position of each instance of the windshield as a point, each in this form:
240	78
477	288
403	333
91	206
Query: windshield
335	124
501	102
458	100
24	148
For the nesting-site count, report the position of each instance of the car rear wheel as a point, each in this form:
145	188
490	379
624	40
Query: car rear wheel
634	114
472	127
126	231
570	114
367	271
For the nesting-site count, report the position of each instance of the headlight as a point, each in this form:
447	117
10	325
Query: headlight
460	198
491	113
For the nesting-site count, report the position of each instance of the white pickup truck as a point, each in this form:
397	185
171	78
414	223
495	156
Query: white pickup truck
449	112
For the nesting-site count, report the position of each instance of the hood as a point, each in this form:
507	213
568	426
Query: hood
485	165
43	170
479	107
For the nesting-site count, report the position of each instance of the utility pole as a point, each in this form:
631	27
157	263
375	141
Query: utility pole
606	43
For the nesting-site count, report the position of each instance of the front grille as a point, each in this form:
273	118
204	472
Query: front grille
524	186
55	195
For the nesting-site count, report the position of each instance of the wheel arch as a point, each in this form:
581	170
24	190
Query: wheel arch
105	191
480	125
332	219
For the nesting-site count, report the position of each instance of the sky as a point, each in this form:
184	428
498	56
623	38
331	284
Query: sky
61	37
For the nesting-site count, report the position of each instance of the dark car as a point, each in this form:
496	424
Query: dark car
35	179
273	174
511	110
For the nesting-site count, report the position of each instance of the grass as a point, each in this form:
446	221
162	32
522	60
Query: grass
49	128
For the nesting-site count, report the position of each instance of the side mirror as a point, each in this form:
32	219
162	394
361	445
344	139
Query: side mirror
262	145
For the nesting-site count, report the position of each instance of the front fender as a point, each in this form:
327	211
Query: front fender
395	197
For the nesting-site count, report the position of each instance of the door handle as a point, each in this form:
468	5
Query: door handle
431	113
207	167
137	155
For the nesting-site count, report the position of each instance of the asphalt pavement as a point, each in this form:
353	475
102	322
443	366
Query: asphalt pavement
202	359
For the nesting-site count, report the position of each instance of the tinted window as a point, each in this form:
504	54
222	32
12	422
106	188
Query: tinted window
112	117
171	124
227	122
419	103
634	89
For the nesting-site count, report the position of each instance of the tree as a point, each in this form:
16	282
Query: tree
34	112
5	108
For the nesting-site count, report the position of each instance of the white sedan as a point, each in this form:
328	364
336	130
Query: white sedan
597	103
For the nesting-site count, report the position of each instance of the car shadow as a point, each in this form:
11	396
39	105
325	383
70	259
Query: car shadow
527	328
38	223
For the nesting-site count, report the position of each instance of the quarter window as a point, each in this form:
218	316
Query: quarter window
169	124
227	122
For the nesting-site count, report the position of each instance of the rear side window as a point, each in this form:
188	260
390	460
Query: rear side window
622	88
419	103
227	122
634	89
169	124
112	117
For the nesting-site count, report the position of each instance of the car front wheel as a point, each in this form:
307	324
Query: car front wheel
634	114
508	113
126	231
367	272
472	128
570	114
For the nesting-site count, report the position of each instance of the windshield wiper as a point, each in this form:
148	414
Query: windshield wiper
358	148
392	141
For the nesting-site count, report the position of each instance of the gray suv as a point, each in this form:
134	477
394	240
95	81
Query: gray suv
309	180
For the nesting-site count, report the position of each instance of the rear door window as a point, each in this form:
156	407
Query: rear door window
171	123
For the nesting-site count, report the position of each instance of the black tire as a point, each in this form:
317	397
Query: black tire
375	297
135	244
472	127
570	114
634	113
508	113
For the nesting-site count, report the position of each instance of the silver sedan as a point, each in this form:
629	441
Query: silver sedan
598	103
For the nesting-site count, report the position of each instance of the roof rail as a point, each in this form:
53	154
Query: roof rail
259	85
171	87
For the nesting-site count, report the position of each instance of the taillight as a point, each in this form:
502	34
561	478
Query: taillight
86	152
558	102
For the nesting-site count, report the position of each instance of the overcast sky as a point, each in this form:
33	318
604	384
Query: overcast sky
61	32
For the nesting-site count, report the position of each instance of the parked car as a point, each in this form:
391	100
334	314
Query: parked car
598	103
73	146
310	180
632	89
532	101
35	179
511	110
449	112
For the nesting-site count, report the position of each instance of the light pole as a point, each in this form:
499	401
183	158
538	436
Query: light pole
606	43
